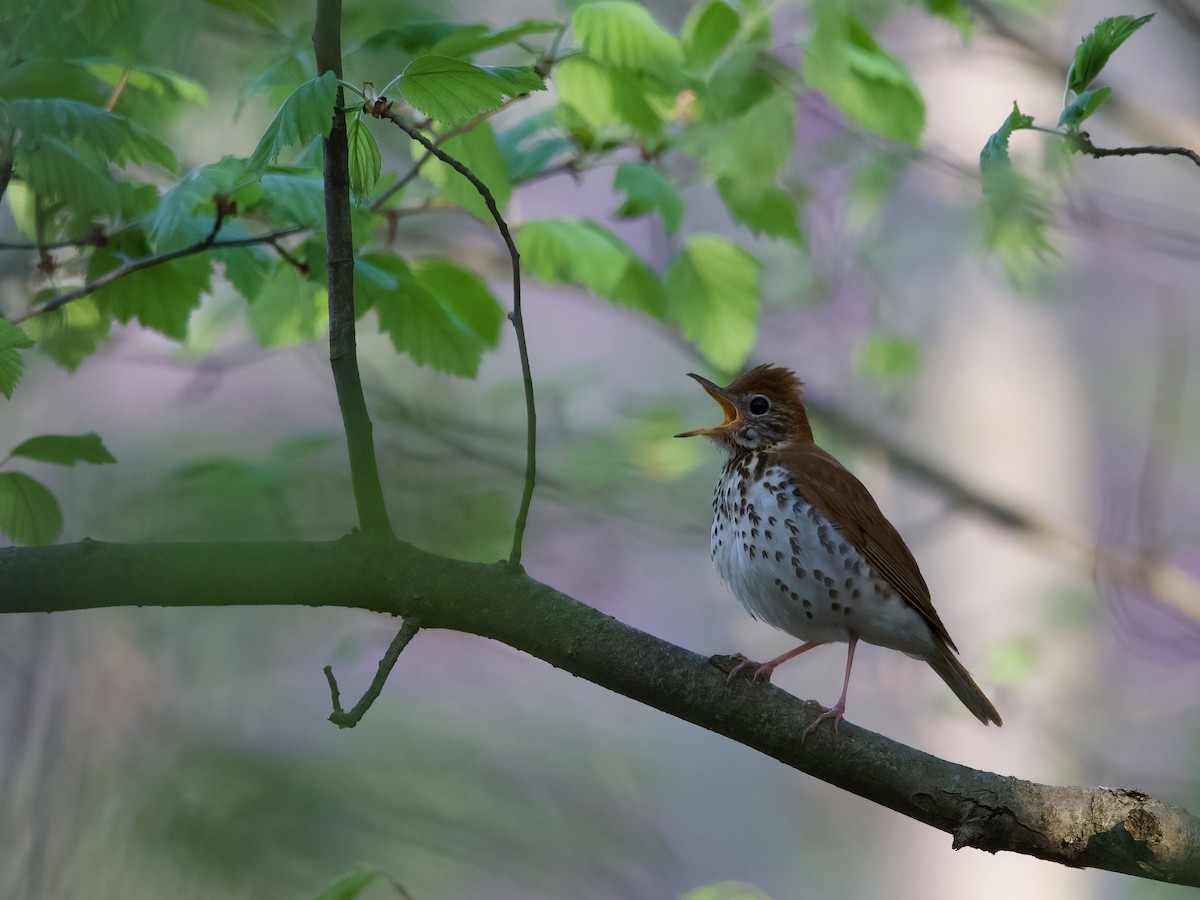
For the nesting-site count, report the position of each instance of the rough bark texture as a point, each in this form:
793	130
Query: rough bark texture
1107	828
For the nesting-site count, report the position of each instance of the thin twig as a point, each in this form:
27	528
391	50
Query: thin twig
146	262
348	719
418	164
1083	144
514	558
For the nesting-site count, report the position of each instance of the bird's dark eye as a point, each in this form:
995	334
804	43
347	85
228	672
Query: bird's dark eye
759	404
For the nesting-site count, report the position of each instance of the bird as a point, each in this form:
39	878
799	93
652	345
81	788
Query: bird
803	545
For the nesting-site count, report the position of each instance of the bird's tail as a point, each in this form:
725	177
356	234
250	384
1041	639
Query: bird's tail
946	664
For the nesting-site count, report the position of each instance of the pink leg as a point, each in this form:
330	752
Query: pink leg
838	709
763	670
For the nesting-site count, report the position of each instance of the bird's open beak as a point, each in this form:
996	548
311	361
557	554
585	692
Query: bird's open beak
718	394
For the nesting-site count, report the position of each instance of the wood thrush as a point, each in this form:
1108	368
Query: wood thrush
804	547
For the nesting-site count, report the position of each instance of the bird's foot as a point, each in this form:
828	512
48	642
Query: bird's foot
836	712
762	671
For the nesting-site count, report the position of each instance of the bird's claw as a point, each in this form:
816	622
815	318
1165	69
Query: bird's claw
762	671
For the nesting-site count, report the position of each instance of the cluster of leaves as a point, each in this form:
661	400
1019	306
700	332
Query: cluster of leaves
83	170
1017	219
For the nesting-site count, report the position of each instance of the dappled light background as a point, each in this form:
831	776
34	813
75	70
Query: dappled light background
155	752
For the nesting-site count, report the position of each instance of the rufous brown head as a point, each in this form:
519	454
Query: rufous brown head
764	408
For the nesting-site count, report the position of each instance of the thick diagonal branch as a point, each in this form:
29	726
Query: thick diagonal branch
1108	828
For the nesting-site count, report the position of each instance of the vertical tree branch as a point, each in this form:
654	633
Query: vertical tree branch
343	355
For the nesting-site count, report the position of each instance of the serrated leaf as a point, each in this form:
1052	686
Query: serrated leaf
1016	217
185	213
646	191
454	91
707	31
71	333
579	251
96	135
365	159
29	513
57	173
65	449
1095	49
1083	106
713	295
161	296
440	315
761	206
12	339
843	62
288	309
477	150
306	113
625	35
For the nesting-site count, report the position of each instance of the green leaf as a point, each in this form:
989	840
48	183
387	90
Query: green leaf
708	30
161	296
98	136
727	890
626	36
760	206
439	314
349	886
579	251
65	449
152	79
1016	217
1083	106
57	173
71	333
995	166
1095	49
12	339
471	39
454	91
288	309
604	98
365	160
646	191
477	150
533	143
295	197
306	113
745	156
29	514
888	356
713	295
254	10
743	77
953	11
844	63
186	212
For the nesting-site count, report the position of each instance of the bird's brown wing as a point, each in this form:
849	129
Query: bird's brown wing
843	499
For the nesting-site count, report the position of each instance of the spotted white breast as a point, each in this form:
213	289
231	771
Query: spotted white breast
792	568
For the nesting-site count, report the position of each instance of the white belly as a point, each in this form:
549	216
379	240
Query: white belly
791	568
